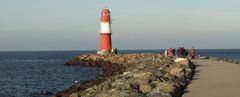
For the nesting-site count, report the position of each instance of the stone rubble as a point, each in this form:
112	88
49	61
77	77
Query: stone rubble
132	75
235	61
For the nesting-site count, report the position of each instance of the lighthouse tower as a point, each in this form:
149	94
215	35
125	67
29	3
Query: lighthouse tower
105	32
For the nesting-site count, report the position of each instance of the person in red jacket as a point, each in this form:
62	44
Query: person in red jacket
193	53
166	53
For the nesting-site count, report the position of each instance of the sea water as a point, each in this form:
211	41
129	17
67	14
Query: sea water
36	74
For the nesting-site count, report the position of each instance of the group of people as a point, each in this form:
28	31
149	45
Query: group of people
180	52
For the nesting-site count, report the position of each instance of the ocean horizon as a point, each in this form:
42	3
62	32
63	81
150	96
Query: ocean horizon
220	53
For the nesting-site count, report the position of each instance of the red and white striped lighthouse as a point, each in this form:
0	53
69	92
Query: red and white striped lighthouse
105	32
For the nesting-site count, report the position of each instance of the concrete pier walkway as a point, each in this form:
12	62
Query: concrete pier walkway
215	79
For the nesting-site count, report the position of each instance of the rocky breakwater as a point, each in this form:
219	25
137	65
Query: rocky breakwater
132	75
235	61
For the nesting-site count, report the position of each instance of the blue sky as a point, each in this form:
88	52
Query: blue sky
139	24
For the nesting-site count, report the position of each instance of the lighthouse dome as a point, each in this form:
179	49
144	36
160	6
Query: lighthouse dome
105	11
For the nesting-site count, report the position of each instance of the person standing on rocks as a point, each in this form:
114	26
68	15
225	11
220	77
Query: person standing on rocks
186	52
178	52
166	53
181	52
173	52
192	53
